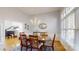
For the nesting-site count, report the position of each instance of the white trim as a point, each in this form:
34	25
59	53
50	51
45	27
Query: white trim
66	46
68	13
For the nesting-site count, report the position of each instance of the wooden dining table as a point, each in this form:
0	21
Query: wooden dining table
41	40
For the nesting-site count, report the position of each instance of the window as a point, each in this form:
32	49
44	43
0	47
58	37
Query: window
68	28
71	21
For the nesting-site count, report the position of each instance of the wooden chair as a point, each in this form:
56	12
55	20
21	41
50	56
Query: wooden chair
49	43
35	33
44	35
35	43
23	39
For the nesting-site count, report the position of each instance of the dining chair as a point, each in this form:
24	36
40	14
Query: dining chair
44	35
23	39
35	33
35	43
49	44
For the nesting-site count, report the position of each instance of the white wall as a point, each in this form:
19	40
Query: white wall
2	34
77	30
52	21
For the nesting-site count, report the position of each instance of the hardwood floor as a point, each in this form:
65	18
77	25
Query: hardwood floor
58	46
11	43
14	42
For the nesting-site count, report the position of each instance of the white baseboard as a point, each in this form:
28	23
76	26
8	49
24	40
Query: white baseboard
66	46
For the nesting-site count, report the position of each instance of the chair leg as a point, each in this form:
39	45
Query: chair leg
52	48
39	49
26	48
43	48
21	48
31	48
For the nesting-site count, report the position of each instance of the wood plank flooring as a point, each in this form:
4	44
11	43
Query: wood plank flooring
13	42
58	46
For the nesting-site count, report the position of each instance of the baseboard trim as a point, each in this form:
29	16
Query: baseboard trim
66	46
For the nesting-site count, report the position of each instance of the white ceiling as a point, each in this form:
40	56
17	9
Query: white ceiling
38	10
22	14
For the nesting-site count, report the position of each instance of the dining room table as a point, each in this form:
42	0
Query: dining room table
44	40
41	41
